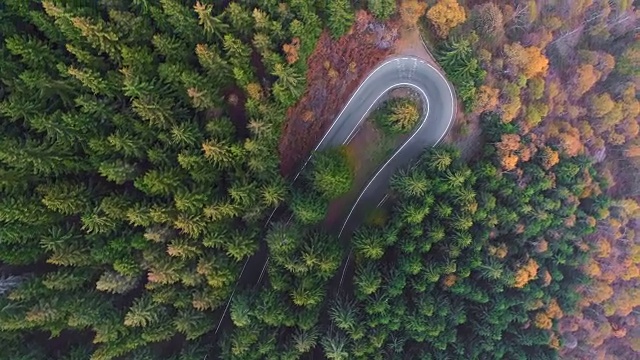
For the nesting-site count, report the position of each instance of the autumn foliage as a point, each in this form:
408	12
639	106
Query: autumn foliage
526	273
607	324
528	61
445	15
335	69
411	11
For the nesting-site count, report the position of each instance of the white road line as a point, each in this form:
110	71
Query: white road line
397	59
348	141
231	297
344	269
453	102
386	196
264	267
415	132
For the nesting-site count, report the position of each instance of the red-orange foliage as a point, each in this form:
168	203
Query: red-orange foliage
449	280
606	322
586	77
411	11
365	46
291	50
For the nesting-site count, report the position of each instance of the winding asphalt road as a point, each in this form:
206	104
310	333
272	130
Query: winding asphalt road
439	107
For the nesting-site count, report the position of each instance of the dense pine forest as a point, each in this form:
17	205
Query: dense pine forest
142	146
139	162
470	262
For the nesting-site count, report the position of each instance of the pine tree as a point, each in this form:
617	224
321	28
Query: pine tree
213	26
66	279
182	20
305	340
192	323
65	198
382	9
340	17
143	312
239	18
334	347
289	86
115	283
330	173
308	208
241	310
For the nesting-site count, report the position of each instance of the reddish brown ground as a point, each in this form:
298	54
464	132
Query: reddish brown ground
336	68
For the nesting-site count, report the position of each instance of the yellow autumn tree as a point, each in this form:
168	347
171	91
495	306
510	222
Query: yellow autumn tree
553	310
511	109
586	76
554	341
254	91
529	61
542	321
445	15
550	158
526	273
500	251
487	98
601	104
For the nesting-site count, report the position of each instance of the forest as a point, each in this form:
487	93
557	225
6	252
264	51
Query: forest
148	148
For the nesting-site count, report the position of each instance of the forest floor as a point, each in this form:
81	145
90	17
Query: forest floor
336	68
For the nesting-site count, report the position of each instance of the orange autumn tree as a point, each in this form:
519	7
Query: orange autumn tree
585	78
445	15
487	98
411	11
528	61
526	273
606	323
507	147
291	50
550	158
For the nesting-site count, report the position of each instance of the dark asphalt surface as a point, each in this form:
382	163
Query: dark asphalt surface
438	113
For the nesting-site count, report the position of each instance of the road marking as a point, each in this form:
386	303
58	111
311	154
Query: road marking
396	59
415	132
386	196
231	297
453	111
351	137
264	267
344	269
